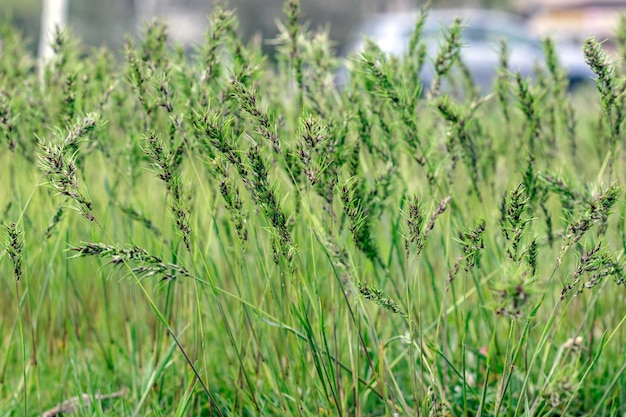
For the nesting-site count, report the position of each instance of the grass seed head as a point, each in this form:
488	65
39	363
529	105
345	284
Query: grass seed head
14	245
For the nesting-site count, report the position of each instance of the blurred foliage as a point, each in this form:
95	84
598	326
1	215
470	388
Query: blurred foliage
24	14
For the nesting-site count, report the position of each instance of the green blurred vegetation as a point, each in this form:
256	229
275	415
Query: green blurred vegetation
24	15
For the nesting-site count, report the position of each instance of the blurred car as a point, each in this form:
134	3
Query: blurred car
482	32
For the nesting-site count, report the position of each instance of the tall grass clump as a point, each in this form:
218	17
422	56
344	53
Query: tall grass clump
230	233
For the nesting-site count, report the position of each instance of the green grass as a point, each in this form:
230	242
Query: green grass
227	235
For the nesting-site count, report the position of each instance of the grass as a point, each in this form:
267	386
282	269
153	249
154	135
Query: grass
226	234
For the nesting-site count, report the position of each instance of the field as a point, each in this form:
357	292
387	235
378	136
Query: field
228	233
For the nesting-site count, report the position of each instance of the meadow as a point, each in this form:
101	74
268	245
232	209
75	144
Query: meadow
224	233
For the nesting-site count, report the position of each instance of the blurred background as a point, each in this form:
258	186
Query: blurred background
107	22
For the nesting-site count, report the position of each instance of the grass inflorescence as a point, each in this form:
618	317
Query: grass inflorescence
263	242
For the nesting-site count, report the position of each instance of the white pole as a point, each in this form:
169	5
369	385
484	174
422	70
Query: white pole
53	15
